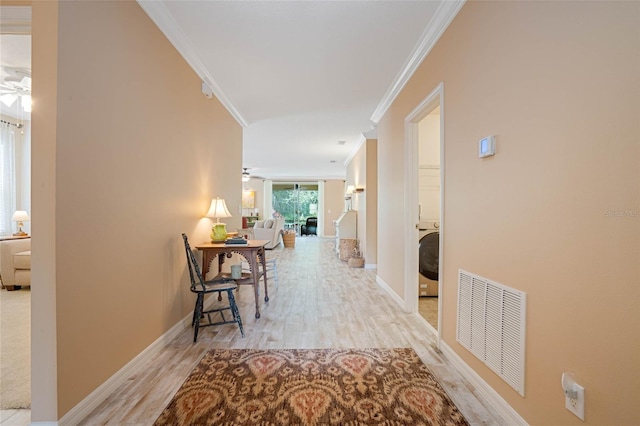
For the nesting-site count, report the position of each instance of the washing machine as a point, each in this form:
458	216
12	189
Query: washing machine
428	257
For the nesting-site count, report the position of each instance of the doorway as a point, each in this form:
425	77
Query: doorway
429	216
424	185
15	195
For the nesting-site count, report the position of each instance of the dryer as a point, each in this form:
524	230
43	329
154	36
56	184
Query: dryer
428	257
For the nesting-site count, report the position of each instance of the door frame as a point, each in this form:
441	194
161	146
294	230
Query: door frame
428	104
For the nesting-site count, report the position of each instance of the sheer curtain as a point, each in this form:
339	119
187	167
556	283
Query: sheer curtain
7	178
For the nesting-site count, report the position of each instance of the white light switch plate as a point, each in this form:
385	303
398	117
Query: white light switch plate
576	406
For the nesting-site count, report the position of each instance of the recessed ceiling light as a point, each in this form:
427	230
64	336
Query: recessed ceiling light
341	142
332	161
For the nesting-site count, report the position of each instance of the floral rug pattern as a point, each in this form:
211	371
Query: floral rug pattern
311	387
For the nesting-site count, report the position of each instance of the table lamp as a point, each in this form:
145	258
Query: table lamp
20	216
217	210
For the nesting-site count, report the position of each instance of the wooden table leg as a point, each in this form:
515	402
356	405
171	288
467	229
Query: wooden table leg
256	285
255	257
263	260
206	259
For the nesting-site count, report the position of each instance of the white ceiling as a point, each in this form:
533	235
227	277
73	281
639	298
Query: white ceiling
299	76
302	75
15	54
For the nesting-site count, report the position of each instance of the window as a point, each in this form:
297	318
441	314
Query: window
295	202
7	178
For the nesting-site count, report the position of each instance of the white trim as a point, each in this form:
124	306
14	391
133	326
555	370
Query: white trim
434	30
136	365
394	296
441	258
361	140
160	15
370	266
267	198
498	403
411	214
321	213
43	424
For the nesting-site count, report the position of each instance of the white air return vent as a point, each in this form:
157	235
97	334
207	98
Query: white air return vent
491	324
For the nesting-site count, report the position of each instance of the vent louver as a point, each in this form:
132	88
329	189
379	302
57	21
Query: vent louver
491	324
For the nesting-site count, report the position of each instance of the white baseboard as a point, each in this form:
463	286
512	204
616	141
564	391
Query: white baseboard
43	424
137	364
391	293
499	405
370	266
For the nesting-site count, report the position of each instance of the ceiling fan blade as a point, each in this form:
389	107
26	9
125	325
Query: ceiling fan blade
8	99
26	83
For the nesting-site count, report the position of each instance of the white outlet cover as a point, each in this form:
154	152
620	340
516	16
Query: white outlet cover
576	406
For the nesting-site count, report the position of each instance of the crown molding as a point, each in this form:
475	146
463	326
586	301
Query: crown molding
361	140
447	10
160	15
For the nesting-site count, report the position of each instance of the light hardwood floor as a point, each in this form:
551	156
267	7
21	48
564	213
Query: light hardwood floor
320	303
428	309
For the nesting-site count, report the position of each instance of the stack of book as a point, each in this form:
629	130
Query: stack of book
236	241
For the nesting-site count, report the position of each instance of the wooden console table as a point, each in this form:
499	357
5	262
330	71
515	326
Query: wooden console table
253	252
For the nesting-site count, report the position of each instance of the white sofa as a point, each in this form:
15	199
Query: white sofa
15	263
269	229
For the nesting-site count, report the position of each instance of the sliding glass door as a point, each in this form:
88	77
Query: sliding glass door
295	202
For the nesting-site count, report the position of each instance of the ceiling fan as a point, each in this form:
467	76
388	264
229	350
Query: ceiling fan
16	84
246	176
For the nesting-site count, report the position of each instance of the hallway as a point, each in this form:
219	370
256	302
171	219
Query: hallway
320	303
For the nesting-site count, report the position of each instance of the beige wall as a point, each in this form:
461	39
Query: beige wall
132	148
362	172
333	204
356	176
371	202
391	203
558	83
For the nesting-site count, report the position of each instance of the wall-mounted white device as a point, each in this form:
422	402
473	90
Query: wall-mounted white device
573	394
206	90
487	146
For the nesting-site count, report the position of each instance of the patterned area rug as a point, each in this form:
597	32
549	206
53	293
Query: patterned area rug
311	387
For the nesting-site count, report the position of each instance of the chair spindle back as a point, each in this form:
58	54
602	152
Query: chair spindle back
194	269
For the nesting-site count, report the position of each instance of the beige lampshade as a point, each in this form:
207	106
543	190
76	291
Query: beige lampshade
218	209
20	216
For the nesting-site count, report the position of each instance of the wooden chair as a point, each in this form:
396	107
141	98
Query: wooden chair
270	266
202	287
